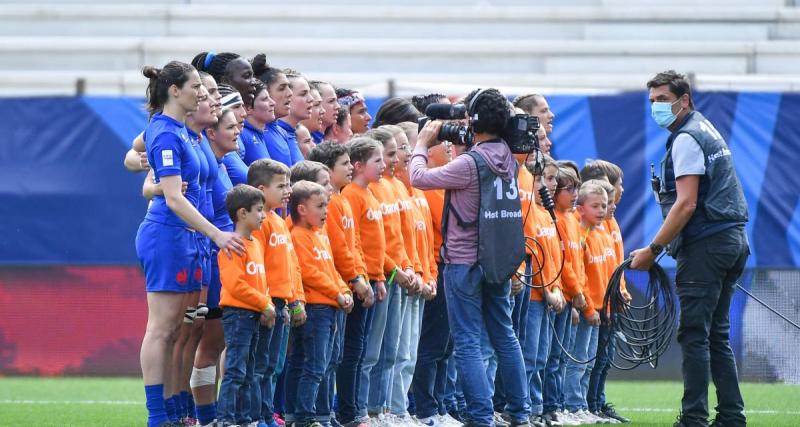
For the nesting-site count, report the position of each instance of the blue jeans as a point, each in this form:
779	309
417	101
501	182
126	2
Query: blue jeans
406	356
476	306
453	393
435	347
310	359
326	390
241	337
606	348
267	355
556	362
380	376
576	381
536	349
348	377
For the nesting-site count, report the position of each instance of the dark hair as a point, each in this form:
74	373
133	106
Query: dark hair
259	86
327	153
527	102
217	66
421	102
174	73
220	116
593	170
263	71
263	171
491	109
381	135
302	191
394	111
342	116
546	161
361	148
566	177
226	89
307	170
242	196
678	84
570	164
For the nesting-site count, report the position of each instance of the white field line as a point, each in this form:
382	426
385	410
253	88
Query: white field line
747	411
137	402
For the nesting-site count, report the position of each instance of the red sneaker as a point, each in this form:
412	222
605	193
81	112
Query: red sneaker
278	420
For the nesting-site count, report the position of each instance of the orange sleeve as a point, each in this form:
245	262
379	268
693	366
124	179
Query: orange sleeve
407	226
435	200
368	225
299	293
313	274
569	280
240	291
342	254
395	250
525	183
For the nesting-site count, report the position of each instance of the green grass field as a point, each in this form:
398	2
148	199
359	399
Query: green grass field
120	402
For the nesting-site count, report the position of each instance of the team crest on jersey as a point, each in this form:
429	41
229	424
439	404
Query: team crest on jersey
182	277
198	274
166	158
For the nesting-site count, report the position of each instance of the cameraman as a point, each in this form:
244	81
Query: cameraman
476	305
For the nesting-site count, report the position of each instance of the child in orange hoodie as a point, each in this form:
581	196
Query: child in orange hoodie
366	154
592	206
545	266
245	303
325	293
280	261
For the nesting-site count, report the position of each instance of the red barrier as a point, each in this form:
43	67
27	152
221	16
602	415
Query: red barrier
71	320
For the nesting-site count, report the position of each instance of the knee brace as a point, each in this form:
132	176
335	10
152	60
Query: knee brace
203	376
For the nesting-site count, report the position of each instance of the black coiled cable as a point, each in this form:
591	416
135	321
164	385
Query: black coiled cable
642	333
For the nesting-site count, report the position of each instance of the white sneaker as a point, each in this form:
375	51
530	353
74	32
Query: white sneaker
567	419
449	421
582	417
433	421
594	418
606	418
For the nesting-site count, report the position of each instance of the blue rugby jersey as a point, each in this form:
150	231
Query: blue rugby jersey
170	152
255	146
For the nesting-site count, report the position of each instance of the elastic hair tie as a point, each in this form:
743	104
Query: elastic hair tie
209	57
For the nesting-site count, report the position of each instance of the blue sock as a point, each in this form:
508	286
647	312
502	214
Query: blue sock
170	405
206	413
191	410
156	411
180	408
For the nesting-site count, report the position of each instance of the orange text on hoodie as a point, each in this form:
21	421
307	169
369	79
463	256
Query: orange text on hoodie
406	205
550	260
369	228
395	251
321	283
341	230
597	254
244	282
573	276
278	259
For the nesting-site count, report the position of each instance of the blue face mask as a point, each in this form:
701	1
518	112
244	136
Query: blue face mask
662	113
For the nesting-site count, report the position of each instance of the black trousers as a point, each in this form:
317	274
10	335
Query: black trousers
705	278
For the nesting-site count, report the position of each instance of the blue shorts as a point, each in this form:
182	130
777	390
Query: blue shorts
214	285
169	256
203	271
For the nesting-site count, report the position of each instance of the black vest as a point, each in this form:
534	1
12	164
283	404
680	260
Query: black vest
501	240
720	199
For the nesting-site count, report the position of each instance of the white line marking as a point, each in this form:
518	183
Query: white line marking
747	411
70	402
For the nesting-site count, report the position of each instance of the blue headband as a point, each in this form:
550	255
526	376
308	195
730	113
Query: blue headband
209	57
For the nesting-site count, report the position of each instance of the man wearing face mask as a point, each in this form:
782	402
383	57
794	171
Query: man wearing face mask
704	218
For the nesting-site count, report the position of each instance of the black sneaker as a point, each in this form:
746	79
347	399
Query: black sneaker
609	411
456	416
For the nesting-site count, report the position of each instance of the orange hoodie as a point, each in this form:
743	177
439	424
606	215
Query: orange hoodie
244	282
321	282
526	198
278	260
596	258
435	200
547	236
395	250
573	276
406	205
425	253
340	227
614	233
369	228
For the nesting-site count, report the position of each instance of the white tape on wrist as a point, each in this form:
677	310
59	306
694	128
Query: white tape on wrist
189	315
